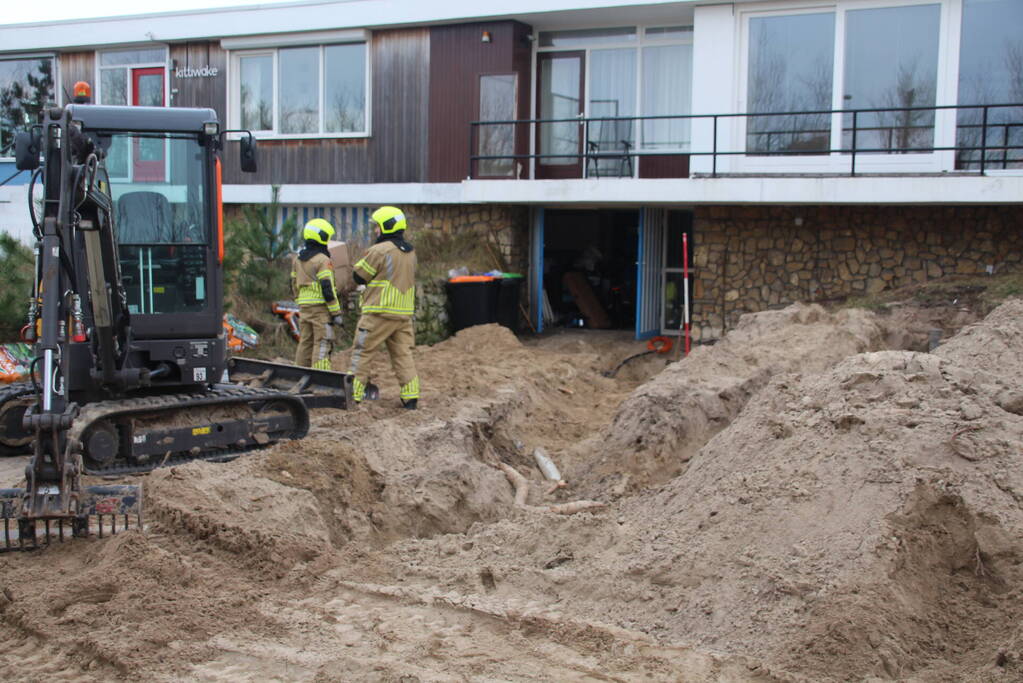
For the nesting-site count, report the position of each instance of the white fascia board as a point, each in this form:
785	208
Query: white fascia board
344	195
909	190
919	190
285	18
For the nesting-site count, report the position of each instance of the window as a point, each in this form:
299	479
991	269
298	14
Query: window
498	96
162	220
587	37
629	72
891	61
134	77
304	91
888	60
667	90
991	72
790	69
26	87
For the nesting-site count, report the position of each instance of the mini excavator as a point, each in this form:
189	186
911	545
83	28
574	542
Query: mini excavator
131	370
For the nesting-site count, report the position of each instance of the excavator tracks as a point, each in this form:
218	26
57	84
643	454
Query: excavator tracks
130	436
15	399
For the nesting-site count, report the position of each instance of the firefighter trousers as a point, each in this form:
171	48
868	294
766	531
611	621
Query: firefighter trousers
374	331
315	337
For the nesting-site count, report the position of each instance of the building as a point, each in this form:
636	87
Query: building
806	150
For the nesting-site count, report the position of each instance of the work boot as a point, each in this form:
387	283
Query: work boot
411	404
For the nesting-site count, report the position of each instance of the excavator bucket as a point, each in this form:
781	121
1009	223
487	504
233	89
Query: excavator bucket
316	388
102	511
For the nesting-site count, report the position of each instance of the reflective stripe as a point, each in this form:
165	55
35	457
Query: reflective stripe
364	266
322	364
358	390
391	300
310	294
411	390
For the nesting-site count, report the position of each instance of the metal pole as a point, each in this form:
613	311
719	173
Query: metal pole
853	172
685	289
983	140
714	156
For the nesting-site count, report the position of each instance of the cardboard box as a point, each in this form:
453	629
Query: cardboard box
341	259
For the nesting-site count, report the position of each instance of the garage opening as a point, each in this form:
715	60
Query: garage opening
589	268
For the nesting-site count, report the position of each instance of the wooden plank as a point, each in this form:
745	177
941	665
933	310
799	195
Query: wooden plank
586	300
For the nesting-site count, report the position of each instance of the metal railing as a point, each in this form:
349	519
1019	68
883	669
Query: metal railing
986	136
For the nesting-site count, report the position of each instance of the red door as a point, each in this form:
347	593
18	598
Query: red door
148	154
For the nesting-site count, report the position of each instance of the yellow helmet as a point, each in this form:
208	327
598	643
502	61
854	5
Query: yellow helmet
390	219
318	230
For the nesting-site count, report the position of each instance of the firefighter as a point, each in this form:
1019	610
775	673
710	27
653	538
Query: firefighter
312	283
388	271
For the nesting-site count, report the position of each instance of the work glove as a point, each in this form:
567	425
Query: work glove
339	321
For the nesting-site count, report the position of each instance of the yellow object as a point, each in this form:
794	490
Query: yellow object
318	230
391	219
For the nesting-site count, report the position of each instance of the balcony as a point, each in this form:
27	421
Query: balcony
957	140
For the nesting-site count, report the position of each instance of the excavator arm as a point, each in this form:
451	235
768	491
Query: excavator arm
76	214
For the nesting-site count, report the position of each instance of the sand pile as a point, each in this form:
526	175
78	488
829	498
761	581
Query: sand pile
666	421
384	473
862	521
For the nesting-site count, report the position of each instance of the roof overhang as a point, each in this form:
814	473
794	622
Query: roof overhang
319	15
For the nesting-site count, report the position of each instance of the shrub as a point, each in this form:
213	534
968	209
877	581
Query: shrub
16	265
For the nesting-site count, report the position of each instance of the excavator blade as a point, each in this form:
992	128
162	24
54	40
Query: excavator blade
103	510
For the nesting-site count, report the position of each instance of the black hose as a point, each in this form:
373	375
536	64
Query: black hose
32	376
36	230
618	367
10	178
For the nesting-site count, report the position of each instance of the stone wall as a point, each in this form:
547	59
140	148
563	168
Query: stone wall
754	258
432	320
507	226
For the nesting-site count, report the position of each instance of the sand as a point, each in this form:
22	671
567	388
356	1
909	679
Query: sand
799	502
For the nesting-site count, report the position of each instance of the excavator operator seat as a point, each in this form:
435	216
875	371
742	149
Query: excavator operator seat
143	218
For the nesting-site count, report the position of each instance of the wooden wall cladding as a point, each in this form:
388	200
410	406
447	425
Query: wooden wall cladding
400	64
458	57
204	91
74	67
396	150
664	166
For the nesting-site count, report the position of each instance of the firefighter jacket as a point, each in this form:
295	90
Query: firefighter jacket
389	272
312	279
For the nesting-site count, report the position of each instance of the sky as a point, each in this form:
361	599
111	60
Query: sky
15	12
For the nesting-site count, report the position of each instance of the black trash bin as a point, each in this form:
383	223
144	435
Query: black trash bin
473	300
508	301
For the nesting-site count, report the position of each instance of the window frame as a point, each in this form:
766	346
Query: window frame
515	170
57	93
946	86
234	91
641	40
129	67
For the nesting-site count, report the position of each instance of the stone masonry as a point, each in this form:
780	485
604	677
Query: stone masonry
755	258
508	226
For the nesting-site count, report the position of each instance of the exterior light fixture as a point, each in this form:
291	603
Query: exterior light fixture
485	38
